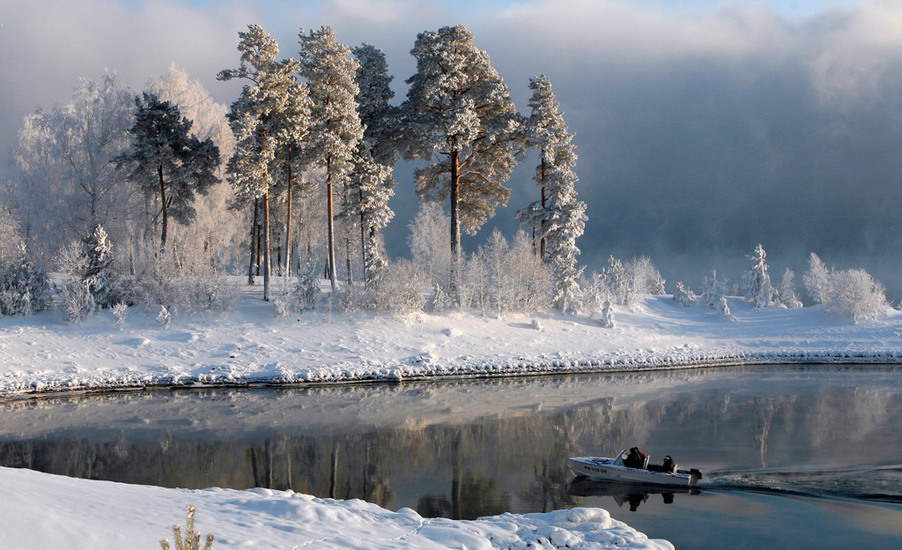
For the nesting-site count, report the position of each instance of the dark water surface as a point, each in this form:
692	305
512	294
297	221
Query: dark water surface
794	457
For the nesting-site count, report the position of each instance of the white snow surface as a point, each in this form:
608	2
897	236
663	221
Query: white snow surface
251	345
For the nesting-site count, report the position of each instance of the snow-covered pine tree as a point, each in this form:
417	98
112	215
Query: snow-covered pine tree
557	219
167	162
787	292
24	286
758	289
714	294
372	185
375	157
817	280
257	121
683	295
335	124
459	115
619	285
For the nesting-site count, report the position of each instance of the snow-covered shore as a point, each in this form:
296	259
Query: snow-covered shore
251	345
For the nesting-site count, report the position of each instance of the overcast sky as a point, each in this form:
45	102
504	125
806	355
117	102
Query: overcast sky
702	127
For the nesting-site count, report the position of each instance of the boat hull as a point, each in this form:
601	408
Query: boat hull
603	468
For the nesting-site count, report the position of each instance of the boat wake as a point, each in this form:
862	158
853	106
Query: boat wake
870	483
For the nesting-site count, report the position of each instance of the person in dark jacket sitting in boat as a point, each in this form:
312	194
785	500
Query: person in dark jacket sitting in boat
636	459
669	466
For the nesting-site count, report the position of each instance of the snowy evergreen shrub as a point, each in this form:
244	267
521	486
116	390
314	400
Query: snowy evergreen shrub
164	317
758	289
644	276
817	280
24	286
595	292
620	286
120	311
714	294
281	307
607	315
306	290
787	291
400	289
857	296
683	296
191	539
439	299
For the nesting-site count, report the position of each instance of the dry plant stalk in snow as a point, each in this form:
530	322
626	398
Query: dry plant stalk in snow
192	539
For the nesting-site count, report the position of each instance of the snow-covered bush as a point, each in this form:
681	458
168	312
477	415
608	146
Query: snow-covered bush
645	277
429	242
164	317
607	315
758	289
400	288
620	285
817	280
24	286
714	294
120	311
595	292
90	280
506	278
683	295
10	237
856	295
159	280
439	299
787	291
307	291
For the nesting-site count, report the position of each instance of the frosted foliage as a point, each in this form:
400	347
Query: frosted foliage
595	292
857	296
503	278
683	295
428	242
459	117
89	280
607	315
714	294
370	187
817	280
645	277
374	94
401	288
307	292
621	287
24	286
217	230
558	218
758	289
787	291
65	153
10	238
335	125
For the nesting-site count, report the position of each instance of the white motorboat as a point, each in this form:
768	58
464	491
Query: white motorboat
614	469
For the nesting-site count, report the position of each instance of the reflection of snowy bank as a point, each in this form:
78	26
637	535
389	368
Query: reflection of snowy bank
43	511
250	345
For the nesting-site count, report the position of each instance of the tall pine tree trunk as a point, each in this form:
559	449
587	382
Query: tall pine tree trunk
455	227
288	222
331	225
266	245
165	209
253	243
544	210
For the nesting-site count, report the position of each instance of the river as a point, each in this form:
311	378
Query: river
793	456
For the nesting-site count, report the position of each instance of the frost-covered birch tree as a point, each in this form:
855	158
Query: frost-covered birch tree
257	119
335	126
167	162
65	153
557	219
459	115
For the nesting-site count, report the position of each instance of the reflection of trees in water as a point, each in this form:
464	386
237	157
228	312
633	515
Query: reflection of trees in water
484	466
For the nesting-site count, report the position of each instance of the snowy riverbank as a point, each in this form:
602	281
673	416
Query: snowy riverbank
251	345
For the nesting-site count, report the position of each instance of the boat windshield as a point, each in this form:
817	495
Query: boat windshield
621	457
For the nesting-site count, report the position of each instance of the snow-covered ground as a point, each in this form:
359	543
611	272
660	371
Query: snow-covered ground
250	345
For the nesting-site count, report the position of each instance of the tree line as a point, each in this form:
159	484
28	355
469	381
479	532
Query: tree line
309	162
